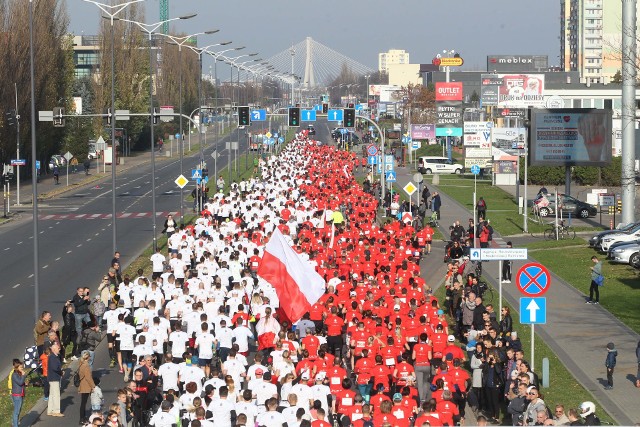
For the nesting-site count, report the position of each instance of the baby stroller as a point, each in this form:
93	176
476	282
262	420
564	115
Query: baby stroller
433	219
32	362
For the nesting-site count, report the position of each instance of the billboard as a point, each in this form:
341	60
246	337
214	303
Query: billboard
477	134
386	93
509	140
423	132
449	91
570	137
517	63
513	90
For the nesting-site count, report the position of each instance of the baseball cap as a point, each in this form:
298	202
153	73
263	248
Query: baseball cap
259	371
451	338
396	307
305	375
397	397
321	375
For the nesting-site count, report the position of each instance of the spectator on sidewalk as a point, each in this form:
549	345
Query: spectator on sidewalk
610	364
18	383
69	334
506	267
56	175
54	376
81	302
481	207
436	203
41	329
86	383
596	271
638	357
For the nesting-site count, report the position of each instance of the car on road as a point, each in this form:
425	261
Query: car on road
435	164
595	240
57	160
625	236
545	204
626	253
311	129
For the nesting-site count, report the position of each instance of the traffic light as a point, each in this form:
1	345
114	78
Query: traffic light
349	117
294	116
58	117
325	108
351	105
11	117
244	117
155	115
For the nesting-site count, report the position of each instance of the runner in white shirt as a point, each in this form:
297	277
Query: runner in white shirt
248	407
242	334
169	371
205	343
178	340
157	261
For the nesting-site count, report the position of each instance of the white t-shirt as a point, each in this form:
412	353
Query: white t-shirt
158	262
242	335
125	334
271	418
204	343
178	341
224	337
169	374
221	411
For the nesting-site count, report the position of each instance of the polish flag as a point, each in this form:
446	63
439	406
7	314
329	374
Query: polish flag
297	284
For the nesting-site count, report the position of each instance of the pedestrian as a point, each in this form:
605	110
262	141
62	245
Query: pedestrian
89	340
484	235
18	383
54	375
56	175
41	330
74	165
69	334
87	166
596	274
436	203
220	184
506	267
481	207
610	364
86	384
81	302
170	224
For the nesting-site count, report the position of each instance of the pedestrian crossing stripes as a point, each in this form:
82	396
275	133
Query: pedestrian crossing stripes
121	215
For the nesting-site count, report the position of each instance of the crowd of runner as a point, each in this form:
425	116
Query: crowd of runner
377	349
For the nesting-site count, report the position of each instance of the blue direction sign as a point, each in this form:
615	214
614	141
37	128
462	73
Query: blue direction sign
205	179
18	162
258	115
359	107
475	169
533	279
335	115
281	140
533	311
448	131
391	176
308	115
406	139
372	160
317	107
37	164
196	173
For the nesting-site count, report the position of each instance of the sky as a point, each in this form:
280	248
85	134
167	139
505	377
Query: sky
360	29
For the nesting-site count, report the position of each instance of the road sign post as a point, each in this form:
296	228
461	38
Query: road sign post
533	311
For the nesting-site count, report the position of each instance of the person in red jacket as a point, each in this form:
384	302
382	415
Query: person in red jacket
447	409
421	356
334	325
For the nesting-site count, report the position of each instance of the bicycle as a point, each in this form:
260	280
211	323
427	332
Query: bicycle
560	232
486	292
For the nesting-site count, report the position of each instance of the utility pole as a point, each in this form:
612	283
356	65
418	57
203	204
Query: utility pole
628	110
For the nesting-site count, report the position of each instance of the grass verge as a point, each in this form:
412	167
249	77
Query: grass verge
502	209
563	387
553	244
621	285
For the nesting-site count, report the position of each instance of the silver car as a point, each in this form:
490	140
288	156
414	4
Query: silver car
626	254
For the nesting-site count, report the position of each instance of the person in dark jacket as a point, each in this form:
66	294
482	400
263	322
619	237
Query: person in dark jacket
492	383
638	357
81	302
610	364
54	375
69	334
89	341
436	203
18	384
506	324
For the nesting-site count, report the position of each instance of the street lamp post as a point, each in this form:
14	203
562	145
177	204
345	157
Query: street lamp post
150	29
112	11
34	171
180	41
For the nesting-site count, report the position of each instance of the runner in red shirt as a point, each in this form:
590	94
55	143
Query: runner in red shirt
344	399
334	326
422	355
447	409
320	421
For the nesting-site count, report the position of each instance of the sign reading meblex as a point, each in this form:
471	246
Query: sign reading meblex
449	91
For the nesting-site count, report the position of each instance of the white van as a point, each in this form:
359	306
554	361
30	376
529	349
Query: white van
435	164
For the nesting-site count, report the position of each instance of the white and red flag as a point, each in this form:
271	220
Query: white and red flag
296	282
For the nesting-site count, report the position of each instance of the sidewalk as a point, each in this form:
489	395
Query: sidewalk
576	332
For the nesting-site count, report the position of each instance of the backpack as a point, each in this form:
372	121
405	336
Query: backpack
9	381
76	378
482	204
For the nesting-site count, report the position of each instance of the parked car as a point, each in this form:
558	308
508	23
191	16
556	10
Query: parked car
435	164
311	129
57	160
545	204
626	253
594	241
628	236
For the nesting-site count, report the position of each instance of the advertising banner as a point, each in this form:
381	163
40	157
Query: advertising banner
478	152
423	132
482	162
506	166
514	90
570	137
509	140
517	63
386	93
512	113
449	91
477	134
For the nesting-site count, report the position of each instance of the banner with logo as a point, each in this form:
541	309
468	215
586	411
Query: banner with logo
477	134
514	90
571	137
423	132
449	91
509	140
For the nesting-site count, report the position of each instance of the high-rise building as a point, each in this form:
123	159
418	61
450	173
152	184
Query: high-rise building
590	38
393	56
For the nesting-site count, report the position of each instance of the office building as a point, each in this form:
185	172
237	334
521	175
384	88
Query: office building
393	56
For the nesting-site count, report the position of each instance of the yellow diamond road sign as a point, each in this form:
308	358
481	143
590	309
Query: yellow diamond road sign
410	188
181	181
268	134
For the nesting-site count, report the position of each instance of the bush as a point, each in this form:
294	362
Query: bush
543	175
612	174
586	175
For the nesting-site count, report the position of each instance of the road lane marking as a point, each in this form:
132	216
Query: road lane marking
30	276
79	245
19	243
58	259
89	239
16	285
45	266
68	252
6	249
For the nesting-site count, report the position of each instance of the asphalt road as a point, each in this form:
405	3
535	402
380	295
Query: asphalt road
76	250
